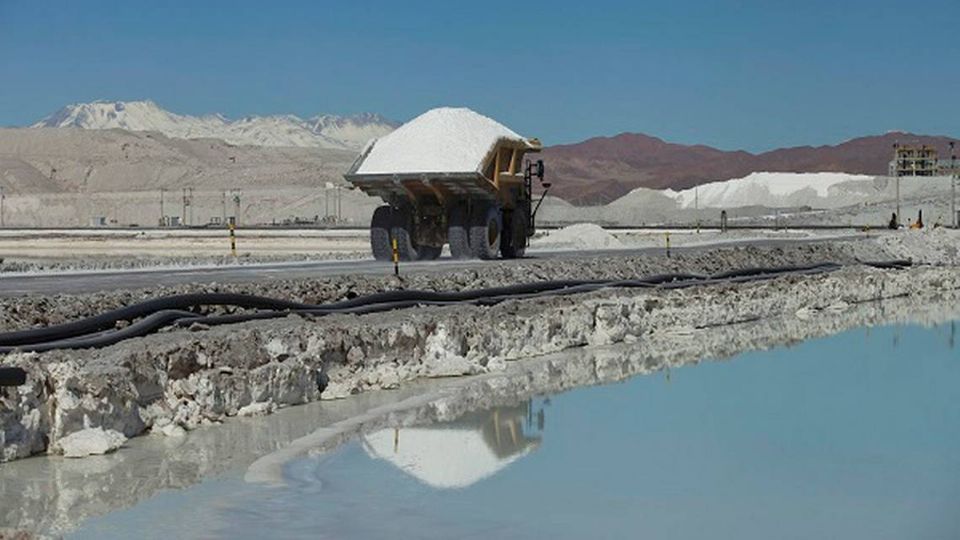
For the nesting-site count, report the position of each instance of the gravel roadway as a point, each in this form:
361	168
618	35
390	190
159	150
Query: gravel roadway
78	282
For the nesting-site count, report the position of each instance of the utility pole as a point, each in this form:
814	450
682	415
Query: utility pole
897	174
187	203
898	199
223	204
162	215
236	202
696	204
3	196
953	186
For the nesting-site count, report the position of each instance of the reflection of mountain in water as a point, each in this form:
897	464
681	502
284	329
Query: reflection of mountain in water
459	453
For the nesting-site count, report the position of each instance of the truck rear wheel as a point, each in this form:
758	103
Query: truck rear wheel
405	235
458	232
514	243
486	232
380	240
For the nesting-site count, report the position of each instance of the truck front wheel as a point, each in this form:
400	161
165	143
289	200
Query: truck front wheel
514	243
486	232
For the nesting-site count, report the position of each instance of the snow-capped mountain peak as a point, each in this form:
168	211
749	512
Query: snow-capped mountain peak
323	131
321	121
358	129
131	115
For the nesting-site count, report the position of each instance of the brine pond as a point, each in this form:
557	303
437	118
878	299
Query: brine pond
854	436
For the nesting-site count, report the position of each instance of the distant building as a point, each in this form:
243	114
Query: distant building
914	160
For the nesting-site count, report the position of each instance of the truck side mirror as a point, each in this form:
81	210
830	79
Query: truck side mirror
540	169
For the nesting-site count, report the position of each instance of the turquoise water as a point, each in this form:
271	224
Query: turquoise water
852	436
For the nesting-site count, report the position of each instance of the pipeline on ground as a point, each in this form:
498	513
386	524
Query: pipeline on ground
12	376
181	310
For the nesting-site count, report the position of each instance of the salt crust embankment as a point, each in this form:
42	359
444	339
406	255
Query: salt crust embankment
176	380
54	496
35	311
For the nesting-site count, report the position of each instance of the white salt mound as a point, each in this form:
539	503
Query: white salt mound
769	189
91	442
581	236
450	140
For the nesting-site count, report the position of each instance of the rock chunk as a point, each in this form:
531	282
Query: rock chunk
91	442
256	409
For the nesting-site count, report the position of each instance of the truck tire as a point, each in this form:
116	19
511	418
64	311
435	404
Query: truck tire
514	243
486	232
403	232
458	232
380	240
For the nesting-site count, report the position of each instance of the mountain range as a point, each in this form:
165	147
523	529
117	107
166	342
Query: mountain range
322	131
595	171
602	169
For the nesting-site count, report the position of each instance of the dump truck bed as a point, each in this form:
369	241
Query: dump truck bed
399	185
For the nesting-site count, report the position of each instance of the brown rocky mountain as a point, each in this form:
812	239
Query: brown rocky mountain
595	171
69	160
601	169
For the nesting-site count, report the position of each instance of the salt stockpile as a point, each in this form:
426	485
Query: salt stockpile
579	236
444	140
778	189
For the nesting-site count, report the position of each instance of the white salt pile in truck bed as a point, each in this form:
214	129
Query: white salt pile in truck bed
444	140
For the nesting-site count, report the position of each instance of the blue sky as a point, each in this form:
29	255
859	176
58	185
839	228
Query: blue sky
736	74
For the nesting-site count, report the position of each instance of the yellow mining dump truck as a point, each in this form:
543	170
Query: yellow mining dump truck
450	176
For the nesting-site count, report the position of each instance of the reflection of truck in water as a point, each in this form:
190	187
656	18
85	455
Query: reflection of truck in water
460	453
450	176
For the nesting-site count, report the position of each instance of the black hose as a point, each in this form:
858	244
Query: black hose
895	264
155	314
12	376
760	271
149	324
108	320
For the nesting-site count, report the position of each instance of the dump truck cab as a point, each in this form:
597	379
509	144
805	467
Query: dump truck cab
450	176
